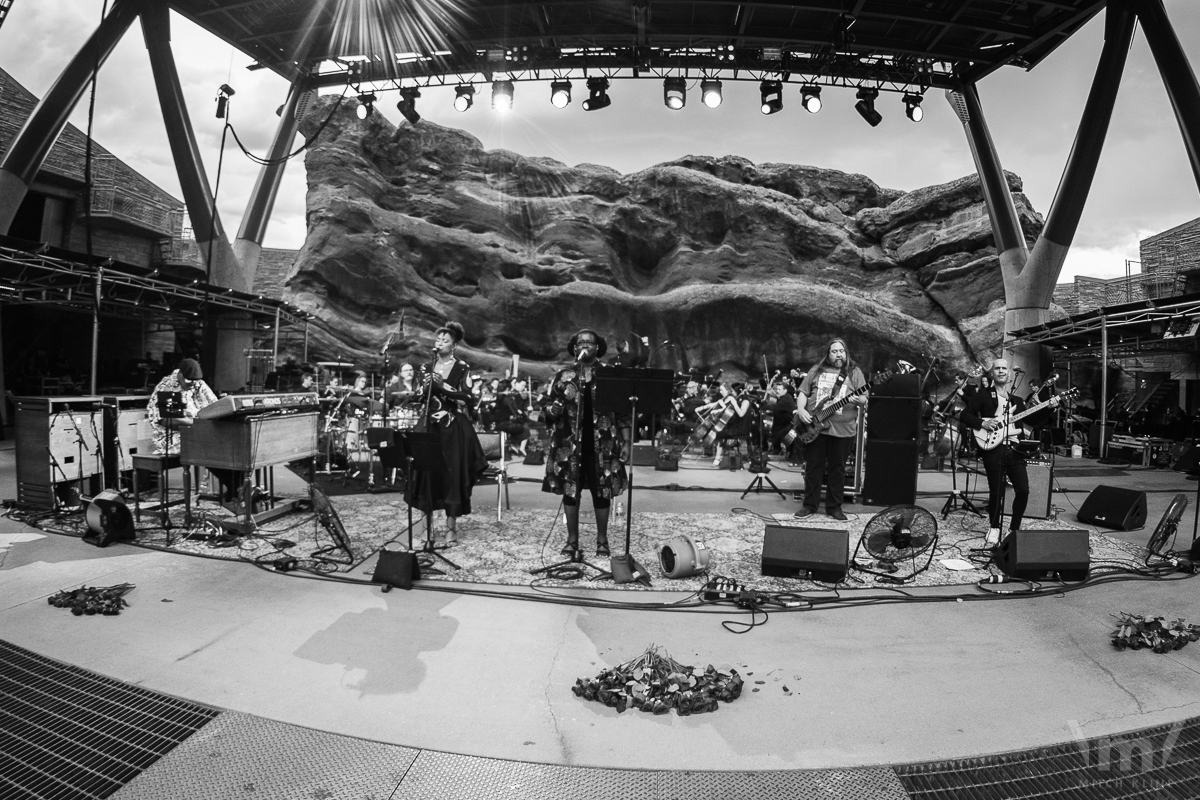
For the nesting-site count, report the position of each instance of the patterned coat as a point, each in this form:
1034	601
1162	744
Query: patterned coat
562	458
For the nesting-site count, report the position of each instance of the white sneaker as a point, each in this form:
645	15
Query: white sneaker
993	537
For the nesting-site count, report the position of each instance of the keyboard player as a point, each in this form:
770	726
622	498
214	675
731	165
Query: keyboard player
188	380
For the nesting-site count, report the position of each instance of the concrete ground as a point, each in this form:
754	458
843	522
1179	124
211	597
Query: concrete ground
444	667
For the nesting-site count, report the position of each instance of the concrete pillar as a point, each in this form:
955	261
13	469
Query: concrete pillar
32	144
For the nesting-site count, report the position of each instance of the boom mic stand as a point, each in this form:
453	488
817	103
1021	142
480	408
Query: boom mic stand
958	499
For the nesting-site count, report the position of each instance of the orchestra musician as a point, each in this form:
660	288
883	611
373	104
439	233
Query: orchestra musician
988	409
729	415
833	377
587	450
405	389
448	395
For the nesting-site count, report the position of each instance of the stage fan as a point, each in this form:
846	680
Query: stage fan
894	535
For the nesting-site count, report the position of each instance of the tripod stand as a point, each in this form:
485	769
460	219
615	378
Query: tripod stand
422	452
957	499
575	560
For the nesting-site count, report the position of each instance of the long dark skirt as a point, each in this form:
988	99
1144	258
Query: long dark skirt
465	463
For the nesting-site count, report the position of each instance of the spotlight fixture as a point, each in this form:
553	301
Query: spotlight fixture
810	98
408	103
464	97
772	96
674	93
710	92
866	106
366	105
597	95
502	96
560	94
912	107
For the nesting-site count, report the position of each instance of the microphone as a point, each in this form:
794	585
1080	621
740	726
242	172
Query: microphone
1018	369
383	350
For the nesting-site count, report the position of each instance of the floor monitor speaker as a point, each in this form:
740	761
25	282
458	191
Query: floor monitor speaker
788	551
396	568
1030	554
1114	507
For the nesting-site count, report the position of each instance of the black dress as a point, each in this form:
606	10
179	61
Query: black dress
465	462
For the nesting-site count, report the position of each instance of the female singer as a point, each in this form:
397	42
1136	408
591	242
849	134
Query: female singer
448	394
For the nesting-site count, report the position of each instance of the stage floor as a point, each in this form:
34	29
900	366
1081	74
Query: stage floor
461	677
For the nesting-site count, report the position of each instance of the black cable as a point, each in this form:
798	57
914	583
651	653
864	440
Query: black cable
271	162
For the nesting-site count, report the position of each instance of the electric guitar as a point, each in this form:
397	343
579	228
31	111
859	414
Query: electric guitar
1009	431
808	432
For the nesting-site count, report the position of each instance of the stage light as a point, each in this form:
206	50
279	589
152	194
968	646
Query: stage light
674	93
560	94
502	96
810	98
464	97
912	107
710	93
408	104
597	95
366	105
866	106
772	96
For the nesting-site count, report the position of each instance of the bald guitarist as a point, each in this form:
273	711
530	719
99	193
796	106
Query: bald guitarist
991	410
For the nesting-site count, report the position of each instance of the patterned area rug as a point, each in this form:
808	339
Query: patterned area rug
505	552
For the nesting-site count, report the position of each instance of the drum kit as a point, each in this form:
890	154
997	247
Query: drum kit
349	416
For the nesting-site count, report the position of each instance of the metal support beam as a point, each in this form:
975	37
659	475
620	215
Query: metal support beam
1013	253
248	246
197	194
29	149
1177	75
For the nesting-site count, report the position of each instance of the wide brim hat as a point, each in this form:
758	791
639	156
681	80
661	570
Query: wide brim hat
601	345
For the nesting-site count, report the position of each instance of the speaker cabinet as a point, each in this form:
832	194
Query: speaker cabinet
1041	483
396	568
1030	554
906	385
1113	507
891	473
894	419
824	553
644	455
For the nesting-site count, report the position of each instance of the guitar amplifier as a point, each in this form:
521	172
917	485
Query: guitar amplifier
1041	489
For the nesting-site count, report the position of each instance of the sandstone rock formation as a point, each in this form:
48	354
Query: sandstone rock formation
726	260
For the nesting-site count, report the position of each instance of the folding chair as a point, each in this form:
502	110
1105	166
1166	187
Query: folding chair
495	449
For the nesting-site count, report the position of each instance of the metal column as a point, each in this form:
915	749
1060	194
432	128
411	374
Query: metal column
197	194
29	149
1103	384
1177	75
248	246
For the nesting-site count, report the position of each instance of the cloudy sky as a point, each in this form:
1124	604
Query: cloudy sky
1144	184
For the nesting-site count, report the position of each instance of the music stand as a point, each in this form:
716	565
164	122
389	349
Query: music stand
621	388
423	453
170	408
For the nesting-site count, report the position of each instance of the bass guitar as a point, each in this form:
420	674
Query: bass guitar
1009	431
808	432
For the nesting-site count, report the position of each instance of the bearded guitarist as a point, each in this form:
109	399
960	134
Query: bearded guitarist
834	377
990	409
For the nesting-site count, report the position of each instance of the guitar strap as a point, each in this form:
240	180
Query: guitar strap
837	386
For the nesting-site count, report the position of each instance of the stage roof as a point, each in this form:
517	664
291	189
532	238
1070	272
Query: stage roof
890	44
1166	325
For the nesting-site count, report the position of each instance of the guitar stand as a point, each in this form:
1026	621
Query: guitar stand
756	485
